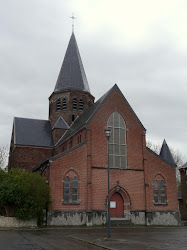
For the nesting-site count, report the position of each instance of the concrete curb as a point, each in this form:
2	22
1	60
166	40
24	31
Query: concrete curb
90	242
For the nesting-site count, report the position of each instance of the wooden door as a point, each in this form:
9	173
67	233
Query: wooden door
116	205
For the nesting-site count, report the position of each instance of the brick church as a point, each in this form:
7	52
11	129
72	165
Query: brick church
70	151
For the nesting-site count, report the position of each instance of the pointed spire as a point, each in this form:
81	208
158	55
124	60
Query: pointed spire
72	74
166	153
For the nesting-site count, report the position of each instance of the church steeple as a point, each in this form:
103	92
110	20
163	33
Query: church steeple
72	74
71	96
166	153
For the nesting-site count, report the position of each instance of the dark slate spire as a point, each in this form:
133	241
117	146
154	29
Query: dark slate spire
166	153
72	74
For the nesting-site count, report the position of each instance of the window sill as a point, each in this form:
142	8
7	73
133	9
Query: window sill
160	203
71	202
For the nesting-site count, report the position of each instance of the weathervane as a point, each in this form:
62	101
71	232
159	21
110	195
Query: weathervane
72	17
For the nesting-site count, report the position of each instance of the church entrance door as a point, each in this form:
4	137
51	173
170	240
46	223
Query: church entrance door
116	205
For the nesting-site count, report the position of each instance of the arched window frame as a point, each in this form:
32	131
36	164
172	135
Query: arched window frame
58	105
74	104
70	143
159	191
64	104
79	139
162	192
155	191
71	190
81	105
117	141
74	189
67	189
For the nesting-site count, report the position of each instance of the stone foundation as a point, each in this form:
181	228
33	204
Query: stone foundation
91	218
138	217
163	218
76	218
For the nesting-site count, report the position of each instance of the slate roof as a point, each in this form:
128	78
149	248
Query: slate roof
32	132
61	123
72	74
84	119
166	153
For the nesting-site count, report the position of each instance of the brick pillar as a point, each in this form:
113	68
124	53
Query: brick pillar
89	170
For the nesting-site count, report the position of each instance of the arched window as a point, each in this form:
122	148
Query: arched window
63	147
71	190
74	104
66	189
159	190
75	189
58	105
79	138
117	142
155	191
64	104
70	143
162	192
80	104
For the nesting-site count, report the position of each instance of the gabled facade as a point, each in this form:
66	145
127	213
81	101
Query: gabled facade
143	186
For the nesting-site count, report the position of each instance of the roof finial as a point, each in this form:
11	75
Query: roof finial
72	17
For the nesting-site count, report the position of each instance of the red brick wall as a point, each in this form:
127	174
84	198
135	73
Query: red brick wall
74	138
131	181
71	164
29	157
153	167
134	135
93	186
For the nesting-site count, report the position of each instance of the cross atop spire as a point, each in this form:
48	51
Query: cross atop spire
73	18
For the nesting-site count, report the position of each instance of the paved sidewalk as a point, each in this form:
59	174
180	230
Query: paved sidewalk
137	238
94	238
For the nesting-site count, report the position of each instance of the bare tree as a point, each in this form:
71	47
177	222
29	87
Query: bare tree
3	156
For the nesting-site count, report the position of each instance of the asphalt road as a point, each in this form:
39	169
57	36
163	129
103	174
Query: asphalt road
94	238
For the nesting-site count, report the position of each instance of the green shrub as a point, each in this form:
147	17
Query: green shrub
23	194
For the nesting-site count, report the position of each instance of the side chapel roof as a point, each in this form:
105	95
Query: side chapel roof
166	153
72	74
32	132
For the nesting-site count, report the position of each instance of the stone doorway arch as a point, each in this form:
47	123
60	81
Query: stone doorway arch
119	195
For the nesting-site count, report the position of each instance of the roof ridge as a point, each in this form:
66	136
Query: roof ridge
16	117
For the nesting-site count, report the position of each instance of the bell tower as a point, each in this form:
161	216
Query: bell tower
71	96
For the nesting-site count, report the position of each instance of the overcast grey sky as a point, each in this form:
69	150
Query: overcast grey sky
140	45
